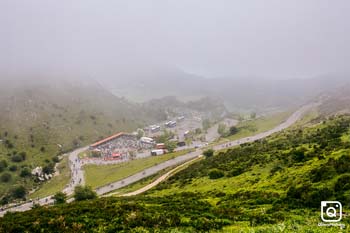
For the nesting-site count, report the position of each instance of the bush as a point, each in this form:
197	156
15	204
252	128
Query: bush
60	198
216	174
6	177
25	172
16	158
23	155
208	153
233	130
84	193
49	169
13	168
18	192
342	183
55	159
3	165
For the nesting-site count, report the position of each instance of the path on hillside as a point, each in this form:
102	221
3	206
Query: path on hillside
160	179
155	169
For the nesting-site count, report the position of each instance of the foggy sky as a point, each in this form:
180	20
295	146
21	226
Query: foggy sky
272	38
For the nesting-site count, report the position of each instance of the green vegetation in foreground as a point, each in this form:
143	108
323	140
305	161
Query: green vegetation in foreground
99	175
272	185
259	125
57	183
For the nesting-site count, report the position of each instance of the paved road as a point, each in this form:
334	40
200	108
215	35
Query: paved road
79	175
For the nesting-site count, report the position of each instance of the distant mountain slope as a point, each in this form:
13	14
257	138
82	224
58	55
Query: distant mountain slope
238	93
337	101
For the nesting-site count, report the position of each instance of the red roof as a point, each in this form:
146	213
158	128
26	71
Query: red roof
116	155
107	139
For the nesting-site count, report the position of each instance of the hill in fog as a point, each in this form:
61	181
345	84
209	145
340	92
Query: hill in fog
238	93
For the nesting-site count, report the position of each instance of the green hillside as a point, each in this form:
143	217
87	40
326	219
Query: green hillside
41	120
272	185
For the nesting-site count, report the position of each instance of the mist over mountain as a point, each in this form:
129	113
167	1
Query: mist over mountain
238	93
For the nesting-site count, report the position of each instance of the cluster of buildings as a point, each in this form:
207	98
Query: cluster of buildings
123	145
120	146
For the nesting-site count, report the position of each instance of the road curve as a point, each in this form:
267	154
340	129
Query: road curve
79	176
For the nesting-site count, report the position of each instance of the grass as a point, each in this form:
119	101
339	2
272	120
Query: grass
308	117
99	175
259	125
148	180
57	183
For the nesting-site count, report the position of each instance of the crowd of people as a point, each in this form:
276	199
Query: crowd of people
121	147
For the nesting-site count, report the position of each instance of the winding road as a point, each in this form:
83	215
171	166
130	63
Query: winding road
77	174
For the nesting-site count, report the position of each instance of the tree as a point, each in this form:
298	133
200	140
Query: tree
170	146
208	153
84	193
233	130
140	133
60	198
18	192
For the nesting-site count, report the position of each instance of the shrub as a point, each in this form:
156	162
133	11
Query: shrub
49	169
23	154
6	177
84	193
236	171
342	183
18	192
13	168
60	198
3	165
208	153
25	172
233	130
216	174
55	159
16	158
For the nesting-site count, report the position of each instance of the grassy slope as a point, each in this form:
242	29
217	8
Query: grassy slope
257	199
57	183
65	113
99	175
258	178
261	124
